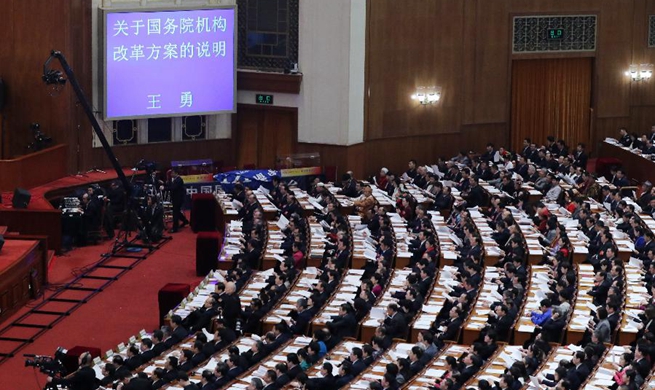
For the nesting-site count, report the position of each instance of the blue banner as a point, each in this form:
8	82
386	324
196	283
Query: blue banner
250	178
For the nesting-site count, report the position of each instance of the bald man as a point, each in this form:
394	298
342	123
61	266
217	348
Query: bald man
231	305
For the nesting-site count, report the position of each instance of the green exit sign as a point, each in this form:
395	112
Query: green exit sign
263	99
555	33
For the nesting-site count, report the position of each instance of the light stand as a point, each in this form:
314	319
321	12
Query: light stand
54	77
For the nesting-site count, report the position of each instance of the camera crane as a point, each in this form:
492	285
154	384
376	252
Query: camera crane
55	78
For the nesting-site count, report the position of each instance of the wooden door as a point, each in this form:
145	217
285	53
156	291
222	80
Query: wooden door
551	97
264	133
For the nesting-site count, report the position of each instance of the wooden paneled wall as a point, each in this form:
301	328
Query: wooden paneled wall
32	28
465	47
462	46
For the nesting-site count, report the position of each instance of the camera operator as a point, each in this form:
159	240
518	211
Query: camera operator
153	220
82	379
176	186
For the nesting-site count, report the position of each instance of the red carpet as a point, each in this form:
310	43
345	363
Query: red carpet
111	317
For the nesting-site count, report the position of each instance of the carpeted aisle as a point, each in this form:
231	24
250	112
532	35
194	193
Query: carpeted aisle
111	317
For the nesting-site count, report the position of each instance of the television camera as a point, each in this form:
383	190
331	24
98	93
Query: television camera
49	365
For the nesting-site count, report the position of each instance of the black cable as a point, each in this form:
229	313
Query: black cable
36	377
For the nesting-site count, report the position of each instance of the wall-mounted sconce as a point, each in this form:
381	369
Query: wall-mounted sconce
427	95
641	72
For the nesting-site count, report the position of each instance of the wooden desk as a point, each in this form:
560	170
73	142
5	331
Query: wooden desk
34	169
198	296
635	165
447	246
396	282
345	292
434	302
273	245
535	292
23	272
243	343
227	213
340	352
557	354
504	357
232	244
279	356
580	316
606	366
436	368
376	370
305	282
635	293
479	315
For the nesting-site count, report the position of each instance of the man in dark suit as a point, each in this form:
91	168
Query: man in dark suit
158	340
395	322
233	368
476	195
198	356
625	139
580	372
357	361
640	360
183	380
343	325
153	220
449	329
220	372
469	367
580	157
415	355
171	369
425	283
248	210
176	187
179	332
282	334
620	180
250	257
223	336
158	378
146	350
256	354
186	362
269	378
551	330
601	288
201	318
501	322
83	379
300	317
283	378
342	254
345	375
325	382
349	186
140	382
293	365
231	305
133	358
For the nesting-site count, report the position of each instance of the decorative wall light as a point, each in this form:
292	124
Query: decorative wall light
427	95
641	72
